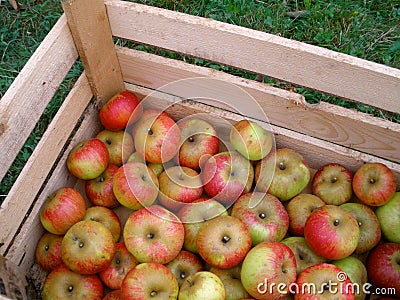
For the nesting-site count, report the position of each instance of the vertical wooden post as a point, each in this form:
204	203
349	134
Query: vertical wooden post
92	35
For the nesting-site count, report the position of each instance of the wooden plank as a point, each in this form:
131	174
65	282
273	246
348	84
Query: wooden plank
21	250
26	99
93	39
259	52
35	172
316	152
283	108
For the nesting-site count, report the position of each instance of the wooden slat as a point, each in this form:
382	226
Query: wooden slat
93	39
22	249
36	170
285	109
288	60
316	152
26	99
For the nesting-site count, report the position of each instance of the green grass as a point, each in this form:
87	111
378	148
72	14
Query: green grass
366	29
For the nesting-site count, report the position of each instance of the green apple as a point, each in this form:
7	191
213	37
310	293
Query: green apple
231	279
370	231
305	257
290	177
356	271
389	218
202	285
251	140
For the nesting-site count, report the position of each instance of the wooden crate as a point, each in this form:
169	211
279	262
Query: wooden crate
323	133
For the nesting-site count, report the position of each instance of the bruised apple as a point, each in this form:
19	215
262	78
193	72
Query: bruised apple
121	264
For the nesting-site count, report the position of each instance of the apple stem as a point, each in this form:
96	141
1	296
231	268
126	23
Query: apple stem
225	239
190	282
153	293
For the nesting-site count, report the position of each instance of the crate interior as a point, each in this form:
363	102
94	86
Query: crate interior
323	133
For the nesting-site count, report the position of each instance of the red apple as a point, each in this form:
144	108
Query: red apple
87	247
298	209
231	279
153	234
48	251
199	139
113	295
88	159
135	185
264	215
179	185
157	139
370	230
223	241
185	264
202	285
374	184
122	109
266	265
332	232
383	267
323	281
62	283
333	184
149	281
148	113
62	209
251	140
193	216
119	144
226	176
305	257
100	189
290	177
107	217
121	264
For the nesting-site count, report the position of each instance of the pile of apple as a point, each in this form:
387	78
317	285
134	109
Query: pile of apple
207	222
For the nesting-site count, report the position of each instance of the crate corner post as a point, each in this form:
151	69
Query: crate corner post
91	31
